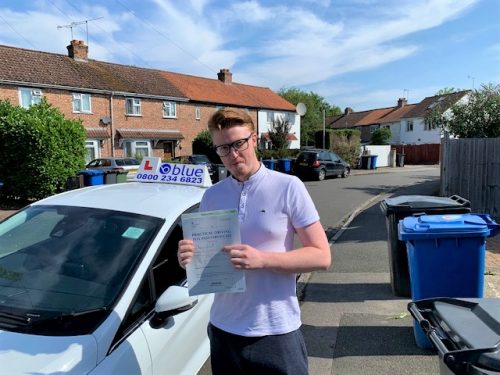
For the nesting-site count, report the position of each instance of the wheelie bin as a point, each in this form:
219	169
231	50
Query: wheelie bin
269	163
396	209
373	161
121	176
92	177
446	255
465	332
110	177
285	165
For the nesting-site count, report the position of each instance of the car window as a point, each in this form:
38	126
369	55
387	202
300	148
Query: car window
120	162
199	159
334	157
132	162
64	260
307	156
325	156
93	164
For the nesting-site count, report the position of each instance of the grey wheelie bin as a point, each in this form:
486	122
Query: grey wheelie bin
396	209
465	332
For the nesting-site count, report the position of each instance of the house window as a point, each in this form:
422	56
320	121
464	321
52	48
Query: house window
29	97
91	150
133	107
409	125
137	149
197	113
81	103
169	109
373	128
270	117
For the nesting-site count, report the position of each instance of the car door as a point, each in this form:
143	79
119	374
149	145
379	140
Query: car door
326	161
180	346
338	166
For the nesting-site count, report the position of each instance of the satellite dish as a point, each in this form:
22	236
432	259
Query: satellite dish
301	109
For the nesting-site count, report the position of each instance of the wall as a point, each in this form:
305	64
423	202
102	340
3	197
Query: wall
419	135
264	126
382	153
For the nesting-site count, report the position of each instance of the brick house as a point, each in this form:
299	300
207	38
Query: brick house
128	110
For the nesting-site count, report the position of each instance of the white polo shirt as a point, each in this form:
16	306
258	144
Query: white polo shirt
270	206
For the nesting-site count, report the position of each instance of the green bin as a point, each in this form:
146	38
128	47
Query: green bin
121	176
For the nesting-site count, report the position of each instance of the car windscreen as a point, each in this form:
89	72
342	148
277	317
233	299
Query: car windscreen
63	261
200	159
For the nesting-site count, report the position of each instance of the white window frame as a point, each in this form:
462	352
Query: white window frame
80	98
197	113
134	105
130	147
169	109
94	145
409	125
35	96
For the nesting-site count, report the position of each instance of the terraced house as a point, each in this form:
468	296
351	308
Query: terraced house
128	110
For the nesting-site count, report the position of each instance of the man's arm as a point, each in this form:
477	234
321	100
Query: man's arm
313	255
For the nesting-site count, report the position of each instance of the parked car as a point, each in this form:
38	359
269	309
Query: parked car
130	165
90	284
319	164
197	159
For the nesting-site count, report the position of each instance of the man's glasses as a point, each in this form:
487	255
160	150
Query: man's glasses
238	145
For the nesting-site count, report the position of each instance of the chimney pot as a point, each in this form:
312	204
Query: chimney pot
348	111
225	76
402	102
77	50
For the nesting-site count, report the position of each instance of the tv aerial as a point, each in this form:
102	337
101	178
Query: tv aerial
73	24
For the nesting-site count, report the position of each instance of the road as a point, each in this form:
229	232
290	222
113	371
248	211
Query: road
337	198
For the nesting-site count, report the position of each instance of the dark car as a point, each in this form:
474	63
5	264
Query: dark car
319	164
197	159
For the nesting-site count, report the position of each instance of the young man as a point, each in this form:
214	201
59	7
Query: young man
257	331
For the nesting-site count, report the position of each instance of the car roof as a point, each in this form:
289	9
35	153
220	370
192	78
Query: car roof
161	200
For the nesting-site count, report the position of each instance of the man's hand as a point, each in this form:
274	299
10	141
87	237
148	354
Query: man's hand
185	252
245	257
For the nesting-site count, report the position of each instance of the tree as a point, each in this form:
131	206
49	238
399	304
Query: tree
39	150
381	136
313	119
202	144
478	118
447	90
278	134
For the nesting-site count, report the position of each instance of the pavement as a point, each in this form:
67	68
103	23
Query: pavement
352	321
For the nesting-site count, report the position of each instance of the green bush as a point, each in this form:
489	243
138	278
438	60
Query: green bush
346	143
277	154
39	150
202	144
381	136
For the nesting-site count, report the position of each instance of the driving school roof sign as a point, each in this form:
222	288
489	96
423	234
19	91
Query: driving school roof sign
154	170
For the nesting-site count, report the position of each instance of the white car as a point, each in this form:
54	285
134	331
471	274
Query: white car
90	284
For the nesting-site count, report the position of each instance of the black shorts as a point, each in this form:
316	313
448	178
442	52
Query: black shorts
273	354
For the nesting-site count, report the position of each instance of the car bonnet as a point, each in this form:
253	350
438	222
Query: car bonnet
34	354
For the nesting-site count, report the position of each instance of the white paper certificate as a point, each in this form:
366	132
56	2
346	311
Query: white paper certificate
210	270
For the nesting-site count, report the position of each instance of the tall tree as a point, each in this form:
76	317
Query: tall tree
312	121
278	134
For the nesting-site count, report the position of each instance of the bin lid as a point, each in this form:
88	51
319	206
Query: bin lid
441	226
472	324
421	203
91	172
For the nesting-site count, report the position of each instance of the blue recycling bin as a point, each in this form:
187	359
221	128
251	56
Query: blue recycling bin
373	161
92	177
446	255
270	163
285	165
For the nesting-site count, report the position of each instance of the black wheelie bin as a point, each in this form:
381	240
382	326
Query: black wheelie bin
465	332
396	209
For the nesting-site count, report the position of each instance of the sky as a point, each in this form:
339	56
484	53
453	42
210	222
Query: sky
362	54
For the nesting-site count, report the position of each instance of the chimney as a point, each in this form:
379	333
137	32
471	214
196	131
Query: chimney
225	76
77	50
347	111
402	102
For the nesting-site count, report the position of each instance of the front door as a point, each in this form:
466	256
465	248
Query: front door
168	150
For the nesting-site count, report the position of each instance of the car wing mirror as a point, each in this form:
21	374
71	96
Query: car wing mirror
174	300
